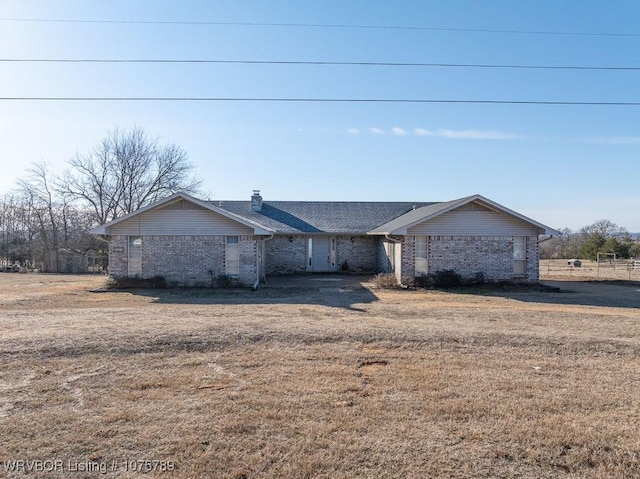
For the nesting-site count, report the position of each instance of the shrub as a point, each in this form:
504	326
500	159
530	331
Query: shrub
124	282
447	278
386	280
156	282
478	278
226	281
423	281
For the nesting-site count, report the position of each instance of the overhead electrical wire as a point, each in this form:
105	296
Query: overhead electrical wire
322	63
327	100
325	25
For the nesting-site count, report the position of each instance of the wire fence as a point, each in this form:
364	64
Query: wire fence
578	270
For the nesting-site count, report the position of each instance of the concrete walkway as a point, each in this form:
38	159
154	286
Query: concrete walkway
319	281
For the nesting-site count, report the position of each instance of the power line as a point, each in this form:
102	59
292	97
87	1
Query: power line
320	63
325	100
324	25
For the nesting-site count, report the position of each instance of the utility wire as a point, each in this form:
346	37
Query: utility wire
325	100
321	63
324	25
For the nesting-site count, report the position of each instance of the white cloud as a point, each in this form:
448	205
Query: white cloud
423	132
353	131
465	134
398	131
376	131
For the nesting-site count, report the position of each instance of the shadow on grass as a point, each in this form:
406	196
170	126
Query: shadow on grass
612	294
326	290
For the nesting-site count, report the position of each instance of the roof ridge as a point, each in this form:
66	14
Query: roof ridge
330	201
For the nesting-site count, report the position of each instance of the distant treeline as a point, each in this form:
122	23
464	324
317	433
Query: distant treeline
603	236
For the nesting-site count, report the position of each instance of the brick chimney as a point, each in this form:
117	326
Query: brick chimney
256	201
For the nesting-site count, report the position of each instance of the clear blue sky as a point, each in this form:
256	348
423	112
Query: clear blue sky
562	165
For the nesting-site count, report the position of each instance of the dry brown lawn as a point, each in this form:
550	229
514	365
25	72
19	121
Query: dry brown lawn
327	382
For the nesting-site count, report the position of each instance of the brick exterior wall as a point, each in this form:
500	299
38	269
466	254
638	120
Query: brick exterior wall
533	259
360	254
187	260
408	271
468	255
290	257
184	260
118	256
284	256
248	258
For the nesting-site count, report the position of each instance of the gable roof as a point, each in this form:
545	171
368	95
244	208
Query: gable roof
400	224
257	228
328	217
291	217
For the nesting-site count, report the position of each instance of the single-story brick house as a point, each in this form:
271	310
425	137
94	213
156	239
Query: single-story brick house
192	242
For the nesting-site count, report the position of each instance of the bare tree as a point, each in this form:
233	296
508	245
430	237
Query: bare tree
41	201
126	171
605	228
565	245
15	234
53	234
44	223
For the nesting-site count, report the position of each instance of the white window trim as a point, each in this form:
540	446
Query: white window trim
136	261
422	240
520	256
232	256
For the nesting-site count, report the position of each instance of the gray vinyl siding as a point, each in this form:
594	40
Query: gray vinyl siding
174	220
474	223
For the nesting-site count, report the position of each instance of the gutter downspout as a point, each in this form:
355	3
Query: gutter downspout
393	240
396	241
544	239
255	285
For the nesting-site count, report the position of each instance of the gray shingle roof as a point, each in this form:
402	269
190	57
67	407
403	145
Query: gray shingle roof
320	216
399	225
418	214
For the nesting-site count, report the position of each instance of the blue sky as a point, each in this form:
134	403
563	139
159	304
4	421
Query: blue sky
561	165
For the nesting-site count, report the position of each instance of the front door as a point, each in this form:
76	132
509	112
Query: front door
322	254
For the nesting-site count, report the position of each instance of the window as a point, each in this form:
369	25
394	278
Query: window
422	262
232	259
135	255
519	256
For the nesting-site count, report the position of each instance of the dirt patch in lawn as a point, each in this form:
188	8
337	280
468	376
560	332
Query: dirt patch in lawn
310	383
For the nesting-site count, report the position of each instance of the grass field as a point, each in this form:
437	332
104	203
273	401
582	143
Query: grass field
328	382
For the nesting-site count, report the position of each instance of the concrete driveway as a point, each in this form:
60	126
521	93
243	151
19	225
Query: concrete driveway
316	281
619	294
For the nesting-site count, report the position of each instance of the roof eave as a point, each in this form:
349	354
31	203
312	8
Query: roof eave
546	230
403	230
258	229
397	231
